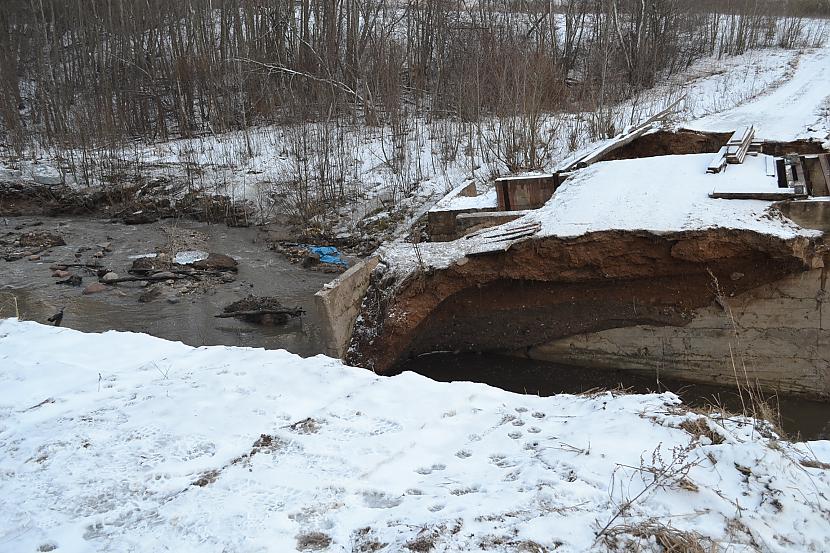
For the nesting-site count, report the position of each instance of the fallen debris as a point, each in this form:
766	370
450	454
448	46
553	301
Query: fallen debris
261	310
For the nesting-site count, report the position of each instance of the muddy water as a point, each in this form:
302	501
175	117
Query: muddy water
809	419
191	319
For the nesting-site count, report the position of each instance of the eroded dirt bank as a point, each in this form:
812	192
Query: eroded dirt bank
547	289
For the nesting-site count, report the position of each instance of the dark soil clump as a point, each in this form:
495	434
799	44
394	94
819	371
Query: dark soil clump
261	310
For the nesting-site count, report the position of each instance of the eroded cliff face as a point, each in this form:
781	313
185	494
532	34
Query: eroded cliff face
544	290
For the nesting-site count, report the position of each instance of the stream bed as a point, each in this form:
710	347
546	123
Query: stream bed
185	312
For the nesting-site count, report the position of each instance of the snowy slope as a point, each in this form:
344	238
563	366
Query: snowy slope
125	442
798	108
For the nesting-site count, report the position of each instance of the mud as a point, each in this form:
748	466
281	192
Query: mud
550	288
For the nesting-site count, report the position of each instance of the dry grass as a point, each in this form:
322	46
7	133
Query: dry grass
700	427
10	305
633	537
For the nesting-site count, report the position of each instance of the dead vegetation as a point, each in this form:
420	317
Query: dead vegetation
313	541
700	427
636	537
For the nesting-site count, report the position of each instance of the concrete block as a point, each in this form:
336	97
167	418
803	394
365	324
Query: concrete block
338	305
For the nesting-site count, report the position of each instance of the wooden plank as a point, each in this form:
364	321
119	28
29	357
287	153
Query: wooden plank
623	139
824	160
718	162
769	196
738	145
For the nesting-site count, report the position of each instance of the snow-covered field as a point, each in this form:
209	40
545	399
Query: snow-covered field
124	442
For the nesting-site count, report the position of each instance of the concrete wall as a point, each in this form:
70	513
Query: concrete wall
338	305
525	192
467	222
780	336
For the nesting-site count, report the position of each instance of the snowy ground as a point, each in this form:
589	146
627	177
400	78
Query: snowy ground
124	442
657	194
798	108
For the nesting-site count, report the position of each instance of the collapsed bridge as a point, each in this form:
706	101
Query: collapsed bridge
633	264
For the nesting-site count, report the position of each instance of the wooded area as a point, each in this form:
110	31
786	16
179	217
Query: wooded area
82	72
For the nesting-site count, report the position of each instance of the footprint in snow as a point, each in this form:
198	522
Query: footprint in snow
501	461
380	500
518	422
538	415
430	470
463	454
521	409
534	429
515	435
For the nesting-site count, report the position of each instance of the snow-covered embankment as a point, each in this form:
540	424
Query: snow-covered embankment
125	442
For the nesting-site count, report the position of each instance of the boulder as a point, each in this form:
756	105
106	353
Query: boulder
95	288
146	265
72	280
150	294
216	262
109	277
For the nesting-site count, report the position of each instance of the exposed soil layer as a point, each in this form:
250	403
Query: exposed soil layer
665	143
140	202
549	288
684	141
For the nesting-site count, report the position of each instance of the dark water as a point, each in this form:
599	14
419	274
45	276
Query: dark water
190	320
808	419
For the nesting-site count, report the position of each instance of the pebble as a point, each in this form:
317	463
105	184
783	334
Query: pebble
61	273
109	277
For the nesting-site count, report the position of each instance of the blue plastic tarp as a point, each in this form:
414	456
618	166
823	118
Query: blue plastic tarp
328	254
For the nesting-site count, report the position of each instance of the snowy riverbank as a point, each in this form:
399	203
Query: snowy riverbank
125	442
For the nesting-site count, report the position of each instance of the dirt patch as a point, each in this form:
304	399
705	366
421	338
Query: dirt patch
550	288
313	541
305	426
685	141
664	143
41	239
802	147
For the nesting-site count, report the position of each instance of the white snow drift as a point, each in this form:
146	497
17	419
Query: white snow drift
124	442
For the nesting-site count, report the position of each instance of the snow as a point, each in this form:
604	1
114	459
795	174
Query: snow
657	194
103	437
190	256
456	201
796	109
